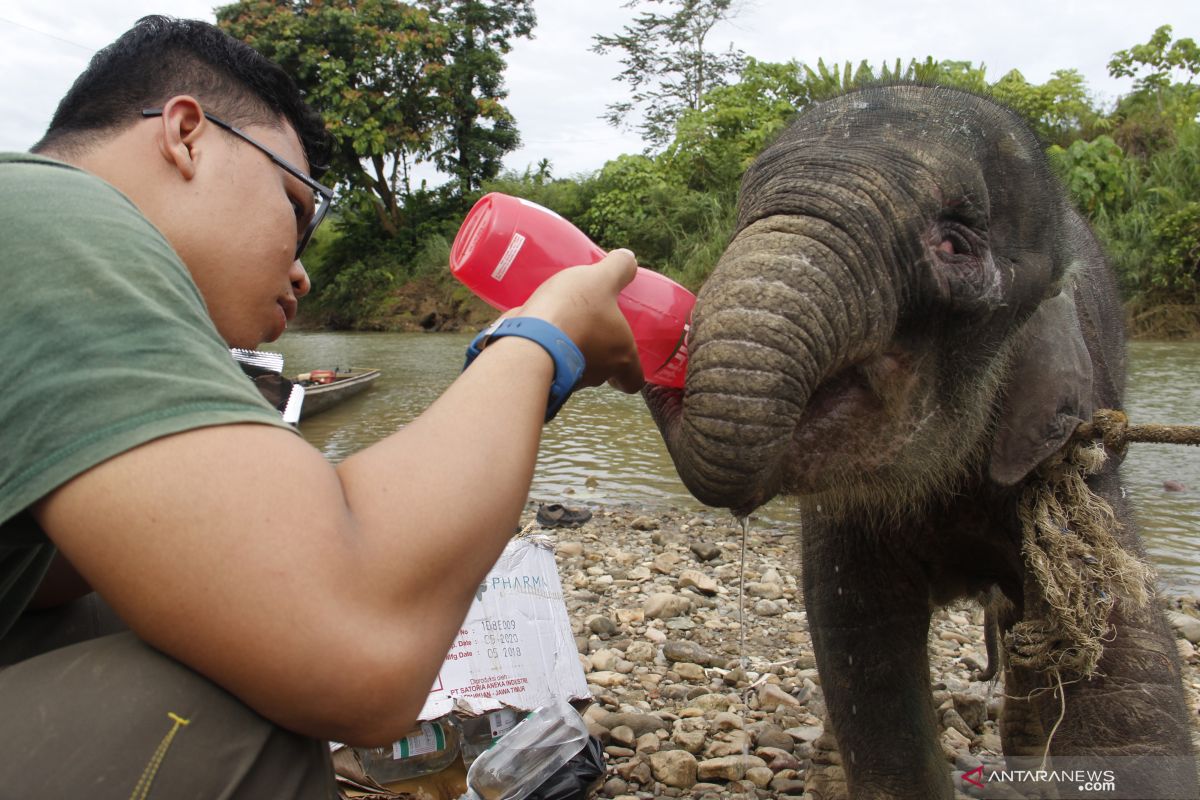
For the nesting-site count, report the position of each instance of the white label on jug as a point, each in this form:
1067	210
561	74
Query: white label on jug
430	739
510	253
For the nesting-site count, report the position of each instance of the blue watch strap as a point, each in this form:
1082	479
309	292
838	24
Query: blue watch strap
568	360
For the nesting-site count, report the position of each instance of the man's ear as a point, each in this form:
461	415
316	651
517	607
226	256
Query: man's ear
182	124
1049	391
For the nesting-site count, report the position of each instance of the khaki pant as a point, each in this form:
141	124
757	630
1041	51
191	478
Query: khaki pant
110	717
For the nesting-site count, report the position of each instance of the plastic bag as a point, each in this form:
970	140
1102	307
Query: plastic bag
578	779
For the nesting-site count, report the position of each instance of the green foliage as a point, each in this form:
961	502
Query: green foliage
1058	110
480	130
668	67
401	83
1177	263
714	144
371	67
1095	173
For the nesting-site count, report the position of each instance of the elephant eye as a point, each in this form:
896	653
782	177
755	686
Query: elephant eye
958	240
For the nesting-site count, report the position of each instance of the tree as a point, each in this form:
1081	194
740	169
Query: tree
479	130
668	67
1153	64
1059	109
1148	119
373	68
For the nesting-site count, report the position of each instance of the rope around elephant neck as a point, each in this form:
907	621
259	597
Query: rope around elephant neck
1070	546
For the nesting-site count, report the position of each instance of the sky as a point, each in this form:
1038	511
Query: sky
558	88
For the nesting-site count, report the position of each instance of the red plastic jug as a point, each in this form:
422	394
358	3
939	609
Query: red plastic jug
507	246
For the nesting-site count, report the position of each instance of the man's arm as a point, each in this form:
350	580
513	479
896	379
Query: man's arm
327	598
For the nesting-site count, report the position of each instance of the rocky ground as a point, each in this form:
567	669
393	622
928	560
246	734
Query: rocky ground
686	709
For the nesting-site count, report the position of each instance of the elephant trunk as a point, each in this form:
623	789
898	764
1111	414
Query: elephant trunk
790	304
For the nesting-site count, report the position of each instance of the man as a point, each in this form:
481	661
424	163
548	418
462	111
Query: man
273	601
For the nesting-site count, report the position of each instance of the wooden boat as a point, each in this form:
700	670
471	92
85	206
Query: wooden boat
325	388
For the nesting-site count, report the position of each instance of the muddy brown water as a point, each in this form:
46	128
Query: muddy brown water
603	449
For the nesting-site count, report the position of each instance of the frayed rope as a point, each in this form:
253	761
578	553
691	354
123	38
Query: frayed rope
1069	543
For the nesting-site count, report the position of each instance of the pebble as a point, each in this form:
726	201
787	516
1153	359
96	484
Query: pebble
665	605
676	768
685	712
698	580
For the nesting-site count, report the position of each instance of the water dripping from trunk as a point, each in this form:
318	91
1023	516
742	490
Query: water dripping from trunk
744	522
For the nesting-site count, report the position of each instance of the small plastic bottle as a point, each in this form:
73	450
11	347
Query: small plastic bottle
508	246
481	732
528	754
429	749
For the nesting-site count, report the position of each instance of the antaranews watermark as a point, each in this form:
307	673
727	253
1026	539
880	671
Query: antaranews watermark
1117	778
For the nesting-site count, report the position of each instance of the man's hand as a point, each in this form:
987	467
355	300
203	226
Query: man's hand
582	303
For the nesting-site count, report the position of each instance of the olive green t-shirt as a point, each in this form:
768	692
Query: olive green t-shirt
105	344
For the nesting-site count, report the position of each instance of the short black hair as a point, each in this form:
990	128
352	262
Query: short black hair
161	57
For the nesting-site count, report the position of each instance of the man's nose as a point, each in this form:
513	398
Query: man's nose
299	277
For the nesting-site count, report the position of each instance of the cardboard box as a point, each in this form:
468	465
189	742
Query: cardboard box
515	647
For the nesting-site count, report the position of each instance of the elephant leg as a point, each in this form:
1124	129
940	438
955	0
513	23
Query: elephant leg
870	636
1132	715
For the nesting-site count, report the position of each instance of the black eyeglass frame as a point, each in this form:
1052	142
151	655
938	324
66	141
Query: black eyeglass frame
325	192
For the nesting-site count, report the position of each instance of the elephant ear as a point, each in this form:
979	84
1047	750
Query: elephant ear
1049	391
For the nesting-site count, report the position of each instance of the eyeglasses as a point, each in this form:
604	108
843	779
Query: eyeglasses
322	195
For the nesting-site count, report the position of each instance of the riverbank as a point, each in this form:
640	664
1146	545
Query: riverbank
439	304
701	693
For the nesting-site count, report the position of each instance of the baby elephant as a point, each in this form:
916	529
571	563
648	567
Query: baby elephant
906	329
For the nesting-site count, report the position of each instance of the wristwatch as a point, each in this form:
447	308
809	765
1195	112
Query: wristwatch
568	360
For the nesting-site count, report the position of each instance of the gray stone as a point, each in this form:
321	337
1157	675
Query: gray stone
648	743
774	737
728	721
972	708
664	563
605	659
729	743
711	702
607	679
1188	627
771	697
806	733
623	735
636	770
952	720
728	768
639	652
705	551
696	579
760	776
768	608
664	605
615	787
569	549
778	759
683	650
677	768
640	723
690	740
602	625
767	591
788	786
680	624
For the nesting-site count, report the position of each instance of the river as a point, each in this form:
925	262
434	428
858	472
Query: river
603	449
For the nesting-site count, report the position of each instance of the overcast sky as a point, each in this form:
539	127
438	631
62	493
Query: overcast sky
558	89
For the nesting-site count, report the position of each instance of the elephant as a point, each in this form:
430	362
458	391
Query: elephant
909	321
